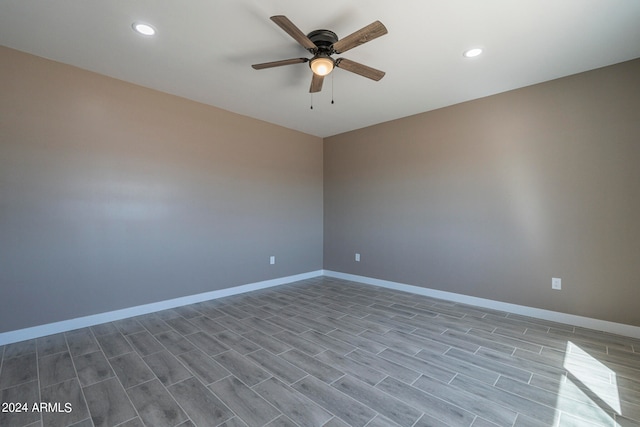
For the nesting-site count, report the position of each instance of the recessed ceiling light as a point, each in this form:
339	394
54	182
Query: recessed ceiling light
472	52
144	29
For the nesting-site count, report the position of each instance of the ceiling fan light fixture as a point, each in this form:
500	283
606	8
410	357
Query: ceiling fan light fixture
144	29
324	43
321	65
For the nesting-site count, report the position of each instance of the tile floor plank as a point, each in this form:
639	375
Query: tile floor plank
330	343
312	366
203	366
155	405
349	366
128	326
492	341
174	342
61	394
362	323
81	341
108	403
267	342
349	410
131	369
208	325
144	343
314	324
383	403
18	349
478	405
25	393
299	343
262	326
243	368
244	402
443	338
357	341
51	344
443	411
207	343
202	407
19	369
153	323
114	344
387	366
483	369
297	406
283	323
389	341
400	324
92	368
104	329
522	364
425	364
182	325
277	366
55	368
237	342
167	367
506	399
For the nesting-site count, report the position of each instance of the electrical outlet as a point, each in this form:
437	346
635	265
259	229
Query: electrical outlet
358	257
272	260
556	283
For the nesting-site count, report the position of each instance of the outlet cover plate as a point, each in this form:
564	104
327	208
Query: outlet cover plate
556	283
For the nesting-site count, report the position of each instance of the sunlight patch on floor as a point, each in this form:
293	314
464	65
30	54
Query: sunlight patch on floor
591	382
576	360
574	402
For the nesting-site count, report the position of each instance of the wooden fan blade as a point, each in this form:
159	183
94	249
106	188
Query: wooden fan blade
316	83
363	35
279	63
291	29
356	67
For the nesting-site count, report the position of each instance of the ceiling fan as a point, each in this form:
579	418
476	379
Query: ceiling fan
323	44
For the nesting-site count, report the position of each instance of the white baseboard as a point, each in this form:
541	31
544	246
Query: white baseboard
95	319
570	319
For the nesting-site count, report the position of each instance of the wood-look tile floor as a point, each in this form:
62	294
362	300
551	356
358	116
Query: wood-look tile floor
324	352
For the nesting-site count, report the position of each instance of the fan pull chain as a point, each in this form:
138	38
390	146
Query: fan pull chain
332	74
311	98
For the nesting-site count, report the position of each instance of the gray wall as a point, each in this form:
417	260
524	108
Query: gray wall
113	195
494	197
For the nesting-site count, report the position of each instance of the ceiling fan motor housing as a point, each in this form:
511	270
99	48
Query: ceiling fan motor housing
324	39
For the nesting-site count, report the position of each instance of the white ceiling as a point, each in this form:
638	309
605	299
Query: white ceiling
204	50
